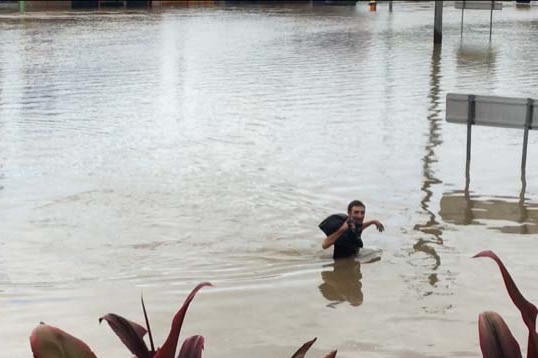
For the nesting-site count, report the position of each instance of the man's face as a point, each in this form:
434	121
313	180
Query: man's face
357	214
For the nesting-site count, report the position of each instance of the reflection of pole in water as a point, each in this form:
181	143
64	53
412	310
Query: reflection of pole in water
1	176
388	61
433	141
431	227
422	246
464	209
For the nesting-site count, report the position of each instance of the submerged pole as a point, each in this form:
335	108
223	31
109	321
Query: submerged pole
462	10
438	23
528	123
471	112
21	6
491	18
390	5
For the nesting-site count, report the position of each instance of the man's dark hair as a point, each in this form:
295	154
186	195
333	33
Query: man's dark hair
355	203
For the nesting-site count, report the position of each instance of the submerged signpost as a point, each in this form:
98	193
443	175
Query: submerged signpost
479	5
506	112
438	23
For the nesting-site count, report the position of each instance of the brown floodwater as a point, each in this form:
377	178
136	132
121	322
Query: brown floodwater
147	151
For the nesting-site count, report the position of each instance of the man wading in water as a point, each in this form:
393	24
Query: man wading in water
347	239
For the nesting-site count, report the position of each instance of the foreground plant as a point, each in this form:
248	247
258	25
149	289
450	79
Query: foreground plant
51	342
132	334
496	339
301	352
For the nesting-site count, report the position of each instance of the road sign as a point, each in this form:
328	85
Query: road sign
478	5
509	112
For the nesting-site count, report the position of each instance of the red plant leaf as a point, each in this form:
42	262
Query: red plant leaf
51	342
192	347
130	333
496	340
152	346
532	350
168	350
527	309
331	355
301	352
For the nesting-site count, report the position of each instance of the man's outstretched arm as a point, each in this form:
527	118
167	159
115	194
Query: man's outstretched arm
377	224
331	239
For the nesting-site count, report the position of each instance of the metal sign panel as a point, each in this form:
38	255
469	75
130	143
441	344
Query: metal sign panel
479	5
508	112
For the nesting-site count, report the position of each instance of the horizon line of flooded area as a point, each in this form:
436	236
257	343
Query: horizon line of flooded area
144	151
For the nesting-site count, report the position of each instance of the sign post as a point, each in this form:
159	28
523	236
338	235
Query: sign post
438	23
528	123
479	5
491	19
505	112
471	112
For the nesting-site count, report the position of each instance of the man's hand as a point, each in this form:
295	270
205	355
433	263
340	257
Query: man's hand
349	223
378	225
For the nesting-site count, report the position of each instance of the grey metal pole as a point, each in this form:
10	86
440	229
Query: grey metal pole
470	121
462	9
491	18
528	122
438	23
390	5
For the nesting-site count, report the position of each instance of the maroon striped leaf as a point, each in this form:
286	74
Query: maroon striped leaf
301	352
168	350
152	346
51	342
192	347
496	339
130	333
527	309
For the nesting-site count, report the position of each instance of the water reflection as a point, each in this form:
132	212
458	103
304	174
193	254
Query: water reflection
476	63
342	283
473	55
461	209
4	78
40	95
1	102
431	227
422	246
